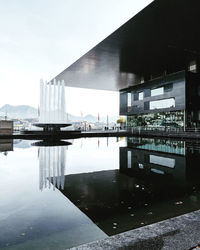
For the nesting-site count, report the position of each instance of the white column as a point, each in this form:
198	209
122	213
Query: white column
41	171
41	101
49	166
58	118
45	102
60	102
63	157
54	100
50	102
57	163
54	179
63	102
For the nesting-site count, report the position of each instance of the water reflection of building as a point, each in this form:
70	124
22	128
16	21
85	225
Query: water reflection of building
140	161
52	162
159	145
161	156
143	190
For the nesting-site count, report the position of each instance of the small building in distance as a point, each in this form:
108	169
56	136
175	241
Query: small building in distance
6	127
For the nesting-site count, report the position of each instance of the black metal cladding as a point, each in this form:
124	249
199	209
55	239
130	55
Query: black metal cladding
168	87
192	91
173	85
146	105
147	92
123	102
135	96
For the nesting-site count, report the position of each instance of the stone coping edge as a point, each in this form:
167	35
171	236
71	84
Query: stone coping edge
181	232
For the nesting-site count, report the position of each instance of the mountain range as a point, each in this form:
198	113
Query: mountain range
28	112
20	111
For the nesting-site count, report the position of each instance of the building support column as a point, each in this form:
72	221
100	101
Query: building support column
184	120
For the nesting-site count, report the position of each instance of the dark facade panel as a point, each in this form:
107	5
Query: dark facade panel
168	87
193	100
135	96
123	102
147	92
192	91
146	106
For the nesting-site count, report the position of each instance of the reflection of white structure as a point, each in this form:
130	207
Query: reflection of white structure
52	167
52	102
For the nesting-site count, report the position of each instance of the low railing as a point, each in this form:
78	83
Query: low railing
196	130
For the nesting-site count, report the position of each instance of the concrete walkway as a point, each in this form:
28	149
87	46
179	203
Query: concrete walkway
181	232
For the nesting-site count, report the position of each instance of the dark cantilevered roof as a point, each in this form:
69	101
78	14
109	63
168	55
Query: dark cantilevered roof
163	37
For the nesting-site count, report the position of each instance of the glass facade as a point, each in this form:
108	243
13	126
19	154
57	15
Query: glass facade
158	120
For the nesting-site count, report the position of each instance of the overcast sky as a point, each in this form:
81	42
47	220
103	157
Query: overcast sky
40	38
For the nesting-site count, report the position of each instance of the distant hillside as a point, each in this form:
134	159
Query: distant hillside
20	111
25	112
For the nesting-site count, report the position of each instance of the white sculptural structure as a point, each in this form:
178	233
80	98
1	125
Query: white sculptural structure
52	102
52	115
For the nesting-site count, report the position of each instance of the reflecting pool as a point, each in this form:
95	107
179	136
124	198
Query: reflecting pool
56	195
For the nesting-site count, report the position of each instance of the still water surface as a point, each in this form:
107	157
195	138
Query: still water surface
56	197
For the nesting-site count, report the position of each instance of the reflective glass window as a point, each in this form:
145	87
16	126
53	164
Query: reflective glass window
161	104
163	161
192	66
158	91
157	171
129	154
141	96
129	100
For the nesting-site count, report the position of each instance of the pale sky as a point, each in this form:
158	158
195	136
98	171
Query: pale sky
40	38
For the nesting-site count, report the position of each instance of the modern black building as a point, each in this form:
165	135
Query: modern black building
153	60
171	100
